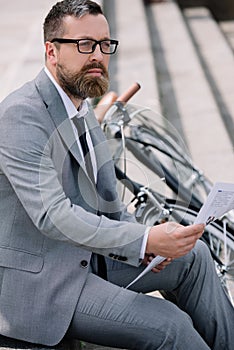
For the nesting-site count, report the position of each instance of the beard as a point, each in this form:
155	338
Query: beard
80	85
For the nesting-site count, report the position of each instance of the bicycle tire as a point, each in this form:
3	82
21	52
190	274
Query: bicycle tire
165	148
146	157
173	155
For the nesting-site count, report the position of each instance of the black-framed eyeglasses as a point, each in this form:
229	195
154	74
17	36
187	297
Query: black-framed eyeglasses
87	46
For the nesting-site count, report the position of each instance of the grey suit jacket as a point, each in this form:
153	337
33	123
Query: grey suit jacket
48	214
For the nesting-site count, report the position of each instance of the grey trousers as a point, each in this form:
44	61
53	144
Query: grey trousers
201	318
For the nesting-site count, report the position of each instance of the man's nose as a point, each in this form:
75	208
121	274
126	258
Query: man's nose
97	55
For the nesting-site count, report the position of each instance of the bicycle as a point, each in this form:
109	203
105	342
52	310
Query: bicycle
161	150
155	147
149	205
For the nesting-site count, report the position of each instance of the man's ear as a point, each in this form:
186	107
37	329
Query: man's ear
51	53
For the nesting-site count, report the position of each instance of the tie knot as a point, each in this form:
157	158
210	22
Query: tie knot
80	125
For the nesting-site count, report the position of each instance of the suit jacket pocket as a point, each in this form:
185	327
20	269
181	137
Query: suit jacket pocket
20	260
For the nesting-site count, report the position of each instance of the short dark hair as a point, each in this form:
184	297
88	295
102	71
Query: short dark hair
53	24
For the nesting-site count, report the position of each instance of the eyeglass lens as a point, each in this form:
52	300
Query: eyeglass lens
89	46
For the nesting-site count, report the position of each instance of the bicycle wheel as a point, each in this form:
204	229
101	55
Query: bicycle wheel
164	143
156	144
220	245
174	158
147	157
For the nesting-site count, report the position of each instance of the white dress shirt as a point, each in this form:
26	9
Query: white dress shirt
73	113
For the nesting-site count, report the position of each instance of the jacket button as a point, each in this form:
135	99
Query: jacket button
122	258
84	263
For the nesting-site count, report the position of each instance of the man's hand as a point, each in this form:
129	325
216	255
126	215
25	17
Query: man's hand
149	257
172	240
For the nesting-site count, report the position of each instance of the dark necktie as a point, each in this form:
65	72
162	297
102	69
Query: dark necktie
80	125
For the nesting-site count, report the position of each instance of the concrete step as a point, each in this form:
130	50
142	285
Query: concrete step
217	59
13	344
227	28
192	96
22	51
164	59
134	58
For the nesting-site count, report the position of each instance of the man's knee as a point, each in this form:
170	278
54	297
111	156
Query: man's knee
165	320
202	253
201	248
172	332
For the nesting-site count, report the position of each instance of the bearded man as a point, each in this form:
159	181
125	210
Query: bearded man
68	247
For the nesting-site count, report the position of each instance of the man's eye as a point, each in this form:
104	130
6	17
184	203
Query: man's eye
106	44
86	43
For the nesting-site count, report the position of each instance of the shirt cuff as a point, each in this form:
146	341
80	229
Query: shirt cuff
144	242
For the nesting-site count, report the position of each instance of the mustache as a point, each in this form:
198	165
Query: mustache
93	66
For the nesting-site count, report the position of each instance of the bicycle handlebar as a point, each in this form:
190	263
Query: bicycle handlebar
129	93
111	98
104	104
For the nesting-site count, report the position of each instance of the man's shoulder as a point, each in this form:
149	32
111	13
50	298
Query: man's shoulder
25	96
22	93
23	102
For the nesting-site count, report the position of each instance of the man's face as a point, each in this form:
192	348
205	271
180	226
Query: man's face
82	75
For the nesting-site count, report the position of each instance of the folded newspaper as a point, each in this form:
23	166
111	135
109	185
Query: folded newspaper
219	202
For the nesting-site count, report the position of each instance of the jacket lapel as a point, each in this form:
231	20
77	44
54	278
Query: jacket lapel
58	114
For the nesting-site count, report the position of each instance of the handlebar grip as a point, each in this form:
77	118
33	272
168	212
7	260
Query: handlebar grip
129	93
104	104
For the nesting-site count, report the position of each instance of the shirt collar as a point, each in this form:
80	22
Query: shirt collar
69	105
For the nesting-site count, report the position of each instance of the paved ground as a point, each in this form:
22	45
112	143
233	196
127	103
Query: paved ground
22	57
